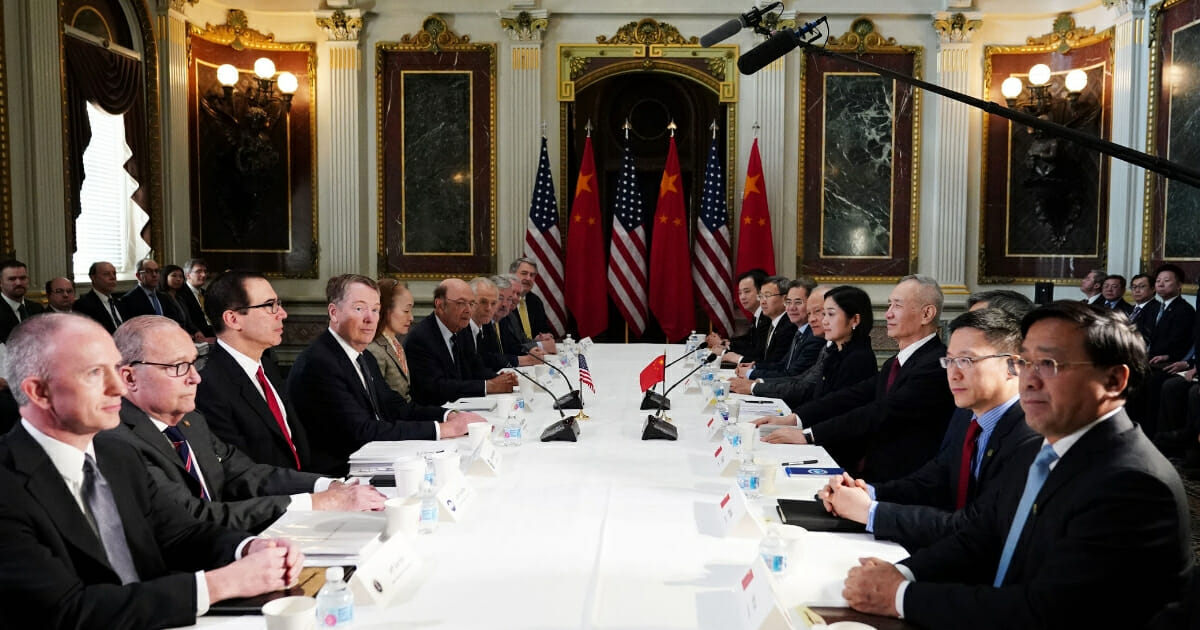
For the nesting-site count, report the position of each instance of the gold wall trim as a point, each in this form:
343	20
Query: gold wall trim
6	215
1148	189
647	31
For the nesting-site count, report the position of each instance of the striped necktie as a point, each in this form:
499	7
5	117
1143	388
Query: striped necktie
185	453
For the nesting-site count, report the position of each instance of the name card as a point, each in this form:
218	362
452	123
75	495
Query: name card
454	497
486	461
724	461
736	519
716	430
383	568
758	608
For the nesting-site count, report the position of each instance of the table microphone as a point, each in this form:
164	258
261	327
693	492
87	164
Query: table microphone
686	355
573	399
566	429
654	400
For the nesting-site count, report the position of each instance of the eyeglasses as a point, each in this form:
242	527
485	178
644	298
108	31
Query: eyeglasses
790	303
763	296
272	306
966	363
62	291
1045	368
177	370
463	303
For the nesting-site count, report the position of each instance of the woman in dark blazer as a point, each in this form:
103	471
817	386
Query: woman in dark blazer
395	318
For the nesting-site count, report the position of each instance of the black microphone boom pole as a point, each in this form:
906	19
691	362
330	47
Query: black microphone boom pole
573	399
655	400
752	18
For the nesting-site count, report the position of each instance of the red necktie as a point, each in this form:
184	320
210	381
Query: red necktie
277	412
964	469
892	374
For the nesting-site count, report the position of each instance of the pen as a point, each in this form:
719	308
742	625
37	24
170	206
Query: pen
803	462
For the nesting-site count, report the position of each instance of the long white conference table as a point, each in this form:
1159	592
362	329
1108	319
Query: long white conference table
610	532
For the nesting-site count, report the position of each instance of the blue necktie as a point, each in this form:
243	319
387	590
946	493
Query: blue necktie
1033	484
98	497
155	303
185	453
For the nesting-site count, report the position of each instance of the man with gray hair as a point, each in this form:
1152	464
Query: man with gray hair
512	337
888	425
86	540
530	313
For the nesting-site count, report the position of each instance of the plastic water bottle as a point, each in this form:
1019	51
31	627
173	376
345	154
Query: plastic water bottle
723	411
774	552
511	435
747	478
732	437
688	347
429	501
335	602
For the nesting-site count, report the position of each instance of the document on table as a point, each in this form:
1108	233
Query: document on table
480	403
753	407
330	538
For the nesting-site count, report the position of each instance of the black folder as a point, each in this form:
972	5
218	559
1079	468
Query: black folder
811	515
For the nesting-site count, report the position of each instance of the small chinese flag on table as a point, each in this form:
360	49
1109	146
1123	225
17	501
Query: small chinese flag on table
654	373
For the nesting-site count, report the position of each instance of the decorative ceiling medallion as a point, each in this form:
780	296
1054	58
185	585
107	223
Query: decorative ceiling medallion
1065	34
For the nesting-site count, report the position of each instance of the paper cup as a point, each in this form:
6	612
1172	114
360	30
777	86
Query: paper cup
769	467
526	388
541	371
403	515
748	435
445	467
735	409
477	432
409	471
291	613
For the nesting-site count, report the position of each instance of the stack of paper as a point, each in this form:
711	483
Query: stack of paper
330	539
754	407
376	458
481	403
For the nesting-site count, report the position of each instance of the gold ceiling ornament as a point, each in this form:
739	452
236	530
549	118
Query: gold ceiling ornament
955	29
861	37
340	26
237	34
1065	34
716	67
525	26
434	35
647	31
578	65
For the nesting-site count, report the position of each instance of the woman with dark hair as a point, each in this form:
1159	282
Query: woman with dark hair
847	320
170	282
395	318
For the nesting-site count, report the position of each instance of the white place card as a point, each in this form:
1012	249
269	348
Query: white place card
716	429
724	461
736	519
382	571
486	460
758	607
455	497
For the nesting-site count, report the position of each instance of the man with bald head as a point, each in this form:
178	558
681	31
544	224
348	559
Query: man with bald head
86	540
99	303
60	295
442	368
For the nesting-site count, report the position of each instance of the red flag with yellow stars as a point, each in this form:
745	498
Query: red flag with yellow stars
587	283
654	373
670	258
754	247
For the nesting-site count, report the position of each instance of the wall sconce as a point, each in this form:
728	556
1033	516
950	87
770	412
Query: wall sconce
1039	100
248	112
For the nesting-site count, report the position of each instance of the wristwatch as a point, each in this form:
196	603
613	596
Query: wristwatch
808	436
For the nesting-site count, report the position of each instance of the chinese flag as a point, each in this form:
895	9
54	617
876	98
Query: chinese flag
670	259
587	280
654	373
754	248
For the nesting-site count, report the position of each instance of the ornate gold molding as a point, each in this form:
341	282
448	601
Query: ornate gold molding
863	37
1065	35
955	29
339	25
6	215
237	34
647	31
525	26
434	35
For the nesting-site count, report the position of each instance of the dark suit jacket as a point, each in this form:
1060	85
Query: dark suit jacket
754	337
324	388
436	377
135	303
795	390
918	510
193	310
90	304
8	319
491	350
1122	305
781	343
53	570
1107	546
801	355
1172	335
538	322
892	433
513	337
238	414
1144	320
245	495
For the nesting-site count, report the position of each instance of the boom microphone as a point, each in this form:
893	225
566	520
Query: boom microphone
751	18
778	45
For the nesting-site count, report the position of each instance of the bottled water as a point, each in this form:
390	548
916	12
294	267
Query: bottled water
731	436
511	431
747	478
774	552
429	501
688	347
335	602
723	411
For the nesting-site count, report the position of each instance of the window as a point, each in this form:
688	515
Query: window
107	227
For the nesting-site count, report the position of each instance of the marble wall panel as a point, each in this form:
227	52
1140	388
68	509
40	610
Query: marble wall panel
437	162
1181	225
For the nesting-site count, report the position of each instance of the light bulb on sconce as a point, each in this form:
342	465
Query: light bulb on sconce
264	68
1039	75
287	83
1011	89
1076	80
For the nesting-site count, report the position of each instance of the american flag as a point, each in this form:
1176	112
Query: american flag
710	257
585	375
627	250
544	244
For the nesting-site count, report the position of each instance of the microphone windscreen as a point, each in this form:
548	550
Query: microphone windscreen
761	56
721	33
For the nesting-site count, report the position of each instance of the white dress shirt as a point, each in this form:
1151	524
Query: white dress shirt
353	355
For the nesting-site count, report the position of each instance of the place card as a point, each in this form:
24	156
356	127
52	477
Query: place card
758	607
454	497
724	461
736	519
716	429
486	460
382	570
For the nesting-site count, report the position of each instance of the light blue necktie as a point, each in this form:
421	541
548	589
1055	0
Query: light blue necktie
1033	484
155	303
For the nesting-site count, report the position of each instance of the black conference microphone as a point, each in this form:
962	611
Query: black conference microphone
686	355
566	429
778	45
655	400
573	399
751	18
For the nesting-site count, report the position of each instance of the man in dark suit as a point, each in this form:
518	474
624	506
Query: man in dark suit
1141	288
195	272
530	313
890	424
14	282
500	339
1112	293
242	396
212	479
1090	286
60	295
86	540
750	334
444	365
805	345
100	304
146	299
1173	324
1091	530
774	340
988	429
339	393
795	390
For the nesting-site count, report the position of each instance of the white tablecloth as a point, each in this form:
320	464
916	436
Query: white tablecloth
607	532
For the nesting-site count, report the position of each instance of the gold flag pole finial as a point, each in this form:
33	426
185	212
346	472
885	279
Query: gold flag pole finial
756	129
671	127
714	128
588	128
627	127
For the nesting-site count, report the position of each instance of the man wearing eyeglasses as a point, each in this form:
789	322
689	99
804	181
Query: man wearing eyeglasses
242	395
213	480
805	344
1090	526
773	344
988	429
442	368
60	295
146	299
